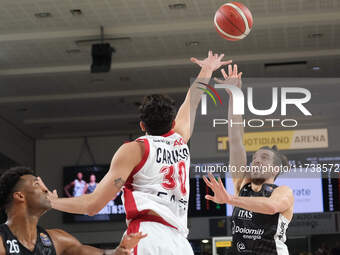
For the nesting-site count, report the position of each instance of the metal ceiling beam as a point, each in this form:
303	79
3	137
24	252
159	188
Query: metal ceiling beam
272	56
170	28
91	95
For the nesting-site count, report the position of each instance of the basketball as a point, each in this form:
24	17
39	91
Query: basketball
233	21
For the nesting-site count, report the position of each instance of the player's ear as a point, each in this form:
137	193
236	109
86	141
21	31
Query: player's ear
18	196
142	126
173	124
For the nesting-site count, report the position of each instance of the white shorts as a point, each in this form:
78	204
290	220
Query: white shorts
162	240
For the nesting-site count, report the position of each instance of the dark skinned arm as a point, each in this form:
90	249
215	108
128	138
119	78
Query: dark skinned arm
66	244
2	248
124	161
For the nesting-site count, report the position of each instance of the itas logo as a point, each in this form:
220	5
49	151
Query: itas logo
244	214
204	97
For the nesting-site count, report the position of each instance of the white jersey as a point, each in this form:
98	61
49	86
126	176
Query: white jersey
160	182
79	187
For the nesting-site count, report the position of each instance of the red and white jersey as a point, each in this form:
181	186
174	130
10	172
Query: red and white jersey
160	182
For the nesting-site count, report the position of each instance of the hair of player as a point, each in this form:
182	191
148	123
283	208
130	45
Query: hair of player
157	112
9	181
279	159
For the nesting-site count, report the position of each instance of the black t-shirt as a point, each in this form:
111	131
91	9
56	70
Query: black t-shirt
256	233
44	244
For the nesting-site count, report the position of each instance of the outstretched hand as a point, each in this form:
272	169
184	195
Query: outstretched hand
131	240
232	78
212	62
221	196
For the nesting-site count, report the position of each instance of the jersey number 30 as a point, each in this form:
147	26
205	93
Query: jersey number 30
169	181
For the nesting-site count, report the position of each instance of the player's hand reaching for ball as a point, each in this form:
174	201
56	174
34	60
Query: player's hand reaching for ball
232	78
212	62
221	196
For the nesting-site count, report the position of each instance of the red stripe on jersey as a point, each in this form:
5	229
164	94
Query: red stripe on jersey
171	132
130	203
140	164
134	228
144	216
145	157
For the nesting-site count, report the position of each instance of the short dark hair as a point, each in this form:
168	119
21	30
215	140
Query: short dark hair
157	112
8	182
279	159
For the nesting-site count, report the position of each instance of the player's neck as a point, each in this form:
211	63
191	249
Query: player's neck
257	187
23	225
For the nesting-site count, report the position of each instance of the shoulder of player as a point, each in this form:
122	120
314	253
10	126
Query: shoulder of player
2	247
240	184
136	147
55	233
129	154
60	236
62	240
283	189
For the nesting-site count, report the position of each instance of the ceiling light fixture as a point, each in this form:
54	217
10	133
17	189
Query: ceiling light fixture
73	51
192	44
43	14
76	12
124	78
315	35
316	68
177	6
97	80
205	241
22	110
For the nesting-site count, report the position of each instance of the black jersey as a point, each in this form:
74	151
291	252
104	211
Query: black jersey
256	233
43	246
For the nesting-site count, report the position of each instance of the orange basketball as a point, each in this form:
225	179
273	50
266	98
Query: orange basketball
233	21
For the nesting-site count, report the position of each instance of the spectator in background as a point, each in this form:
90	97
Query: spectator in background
323	250
78	186
336	249
91	186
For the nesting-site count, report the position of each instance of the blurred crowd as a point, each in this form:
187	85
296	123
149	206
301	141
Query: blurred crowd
324	250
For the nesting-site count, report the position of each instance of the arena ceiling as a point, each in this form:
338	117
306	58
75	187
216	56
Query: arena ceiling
47	90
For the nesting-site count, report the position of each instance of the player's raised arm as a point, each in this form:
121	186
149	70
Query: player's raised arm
185	119
237	152
122	164
281	199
